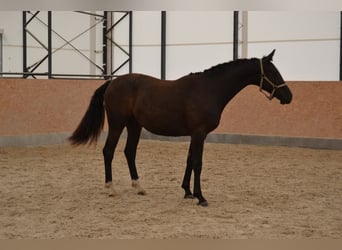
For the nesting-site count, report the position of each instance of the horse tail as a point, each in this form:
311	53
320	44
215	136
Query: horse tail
92	122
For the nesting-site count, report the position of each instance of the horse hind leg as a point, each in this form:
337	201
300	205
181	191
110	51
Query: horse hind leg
108	154
133	136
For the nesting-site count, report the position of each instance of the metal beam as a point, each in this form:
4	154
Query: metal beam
104	43
92	13
24	45
32	17
163	45
112	69
130	48
107	50
236	35
28	70
49	44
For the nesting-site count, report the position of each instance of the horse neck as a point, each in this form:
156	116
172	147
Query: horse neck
233	80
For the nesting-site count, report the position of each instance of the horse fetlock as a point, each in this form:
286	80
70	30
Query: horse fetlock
188	194
136	185
111	190
203	203
201	200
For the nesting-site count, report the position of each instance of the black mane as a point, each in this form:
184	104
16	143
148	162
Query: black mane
214	70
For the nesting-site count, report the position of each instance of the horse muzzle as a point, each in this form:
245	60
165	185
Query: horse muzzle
286	100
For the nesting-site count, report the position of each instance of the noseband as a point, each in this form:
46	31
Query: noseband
264	77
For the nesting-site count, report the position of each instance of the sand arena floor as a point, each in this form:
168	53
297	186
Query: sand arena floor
258	192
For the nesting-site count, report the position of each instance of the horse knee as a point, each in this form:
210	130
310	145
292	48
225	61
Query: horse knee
127	152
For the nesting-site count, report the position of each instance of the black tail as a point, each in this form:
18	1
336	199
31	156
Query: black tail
93	120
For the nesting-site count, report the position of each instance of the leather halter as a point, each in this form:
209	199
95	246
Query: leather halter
274	86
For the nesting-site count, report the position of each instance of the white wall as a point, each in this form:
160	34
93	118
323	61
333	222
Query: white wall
197	41
146	42
307	43
10	23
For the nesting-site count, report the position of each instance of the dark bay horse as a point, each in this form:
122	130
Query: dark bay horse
190	106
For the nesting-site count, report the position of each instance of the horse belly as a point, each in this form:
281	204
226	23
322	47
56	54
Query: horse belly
164	125
162	119
166	130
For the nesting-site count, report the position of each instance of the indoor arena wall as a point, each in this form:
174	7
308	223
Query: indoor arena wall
47	111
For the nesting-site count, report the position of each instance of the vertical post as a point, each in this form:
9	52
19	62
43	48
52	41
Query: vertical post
340	45
163	45
49	45
104	44
130	42
236	35
24	45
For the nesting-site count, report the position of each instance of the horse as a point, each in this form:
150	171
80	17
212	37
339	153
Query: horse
189	106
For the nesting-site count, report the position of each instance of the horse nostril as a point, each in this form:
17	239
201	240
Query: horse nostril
286	100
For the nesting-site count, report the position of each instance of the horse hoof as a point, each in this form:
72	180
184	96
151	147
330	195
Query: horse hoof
142	192
189	196
113	194
203	203
111	191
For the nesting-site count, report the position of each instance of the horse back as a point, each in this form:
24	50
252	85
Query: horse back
136	88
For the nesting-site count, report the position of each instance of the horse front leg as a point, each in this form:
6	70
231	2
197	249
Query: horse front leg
197	143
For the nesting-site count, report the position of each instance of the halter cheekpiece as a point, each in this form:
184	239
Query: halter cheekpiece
264	77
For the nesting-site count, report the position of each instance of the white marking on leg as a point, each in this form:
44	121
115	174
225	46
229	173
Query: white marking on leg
137	186
111	191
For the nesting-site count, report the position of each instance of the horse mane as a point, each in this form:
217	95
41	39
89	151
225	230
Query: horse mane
223	67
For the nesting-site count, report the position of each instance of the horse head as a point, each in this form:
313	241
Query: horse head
272	83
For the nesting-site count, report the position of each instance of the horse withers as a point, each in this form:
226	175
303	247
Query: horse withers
189	106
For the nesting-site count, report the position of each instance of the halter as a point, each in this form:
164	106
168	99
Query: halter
263	77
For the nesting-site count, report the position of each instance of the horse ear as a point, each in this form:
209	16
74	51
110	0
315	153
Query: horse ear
269	58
